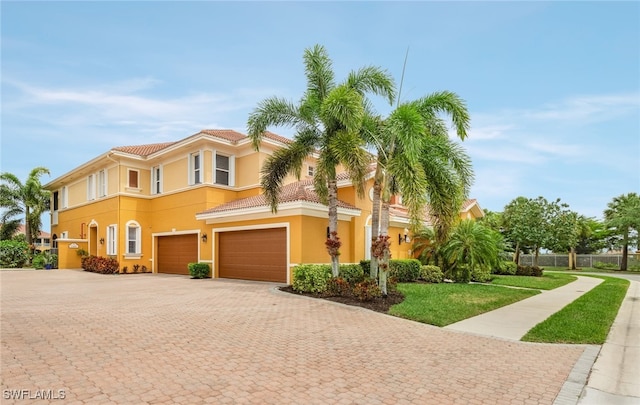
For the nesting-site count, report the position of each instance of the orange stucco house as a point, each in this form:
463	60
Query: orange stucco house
199	200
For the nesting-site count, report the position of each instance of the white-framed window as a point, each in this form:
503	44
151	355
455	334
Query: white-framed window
133	178
156	180
195	168
311	170
224	169
64	235
102	183
91	188
133	238
112	240
65	196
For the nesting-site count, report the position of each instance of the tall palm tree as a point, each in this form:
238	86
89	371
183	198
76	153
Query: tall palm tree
623	215
28	199
417	160
327	120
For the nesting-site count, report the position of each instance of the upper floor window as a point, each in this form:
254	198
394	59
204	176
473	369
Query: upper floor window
311	171
55	200
224	169
102	183
195	167
134	242
65	196
133	177
156	180
91	188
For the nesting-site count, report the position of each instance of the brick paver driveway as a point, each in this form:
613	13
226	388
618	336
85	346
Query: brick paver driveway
169	339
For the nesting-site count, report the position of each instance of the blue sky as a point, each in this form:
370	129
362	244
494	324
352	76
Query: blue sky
553	88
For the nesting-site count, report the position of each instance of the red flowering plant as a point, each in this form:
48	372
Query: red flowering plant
333	244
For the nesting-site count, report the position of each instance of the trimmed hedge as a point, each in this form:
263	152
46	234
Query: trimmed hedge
431	274
507	267
481	274
199	270
352	273
404	270
312	278
533	271
101	265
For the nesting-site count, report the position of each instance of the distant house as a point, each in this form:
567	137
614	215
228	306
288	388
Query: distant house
42	242
199	199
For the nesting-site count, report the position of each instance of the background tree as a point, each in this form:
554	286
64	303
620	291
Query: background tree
28	200
327	120
525	224
563	230
593	236
622	216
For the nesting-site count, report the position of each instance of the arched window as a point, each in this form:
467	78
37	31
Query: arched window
133	238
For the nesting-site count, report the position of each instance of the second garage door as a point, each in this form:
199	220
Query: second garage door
176	252
254	255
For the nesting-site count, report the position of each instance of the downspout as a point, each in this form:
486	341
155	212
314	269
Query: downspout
117	162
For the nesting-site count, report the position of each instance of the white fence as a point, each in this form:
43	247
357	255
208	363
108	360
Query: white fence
581	260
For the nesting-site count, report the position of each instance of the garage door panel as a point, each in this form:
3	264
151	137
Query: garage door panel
176	252
254	255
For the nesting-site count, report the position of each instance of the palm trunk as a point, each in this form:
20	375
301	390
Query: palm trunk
333	223
375	223
383	262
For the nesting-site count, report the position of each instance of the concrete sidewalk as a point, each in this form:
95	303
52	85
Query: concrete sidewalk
615	376
515	320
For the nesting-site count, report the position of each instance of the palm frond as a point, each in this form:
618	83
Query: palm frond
348	149
342	108
319	72
372	79
272	111
449	103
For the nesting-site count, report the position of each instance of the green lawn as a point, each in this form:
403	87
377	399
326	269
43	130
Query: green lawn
548	281
587	320
444	304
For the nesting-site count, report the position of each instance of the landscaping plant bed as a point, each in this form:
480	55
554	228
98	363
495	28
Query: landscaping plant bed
380	304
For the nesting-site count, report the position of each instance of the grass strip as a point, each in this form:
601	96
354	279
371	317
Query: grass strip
444	304
586	320
548	281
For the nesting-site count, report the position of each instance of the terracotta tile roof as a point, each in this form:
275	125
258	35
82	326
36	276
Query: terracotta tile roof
228	134
144	150
298	191
42	234
276	137
467	204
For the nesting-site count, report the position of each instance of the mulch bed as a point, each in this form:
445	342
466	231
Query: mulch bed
381	304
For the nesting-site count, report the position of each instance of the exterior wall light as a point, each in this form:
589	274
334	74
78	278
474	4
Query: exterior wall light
102	241
404	238
204	237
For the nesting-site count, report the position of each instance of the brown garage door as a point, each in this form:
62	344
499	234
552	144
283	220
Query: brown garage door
176	252
254	255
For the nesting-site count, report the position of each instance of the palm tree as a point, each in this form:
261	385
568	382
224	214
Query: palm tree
471	245
28	199
327	120
417	160
623	215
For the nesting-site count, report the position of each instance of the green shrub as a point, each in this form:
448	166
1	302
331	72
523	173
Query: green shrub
102	265
431	274
38	261
533	271
197	270
13	253
367	290
311	277
352	273
338	286
605	266
507	267
480	274
366	266
405	270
